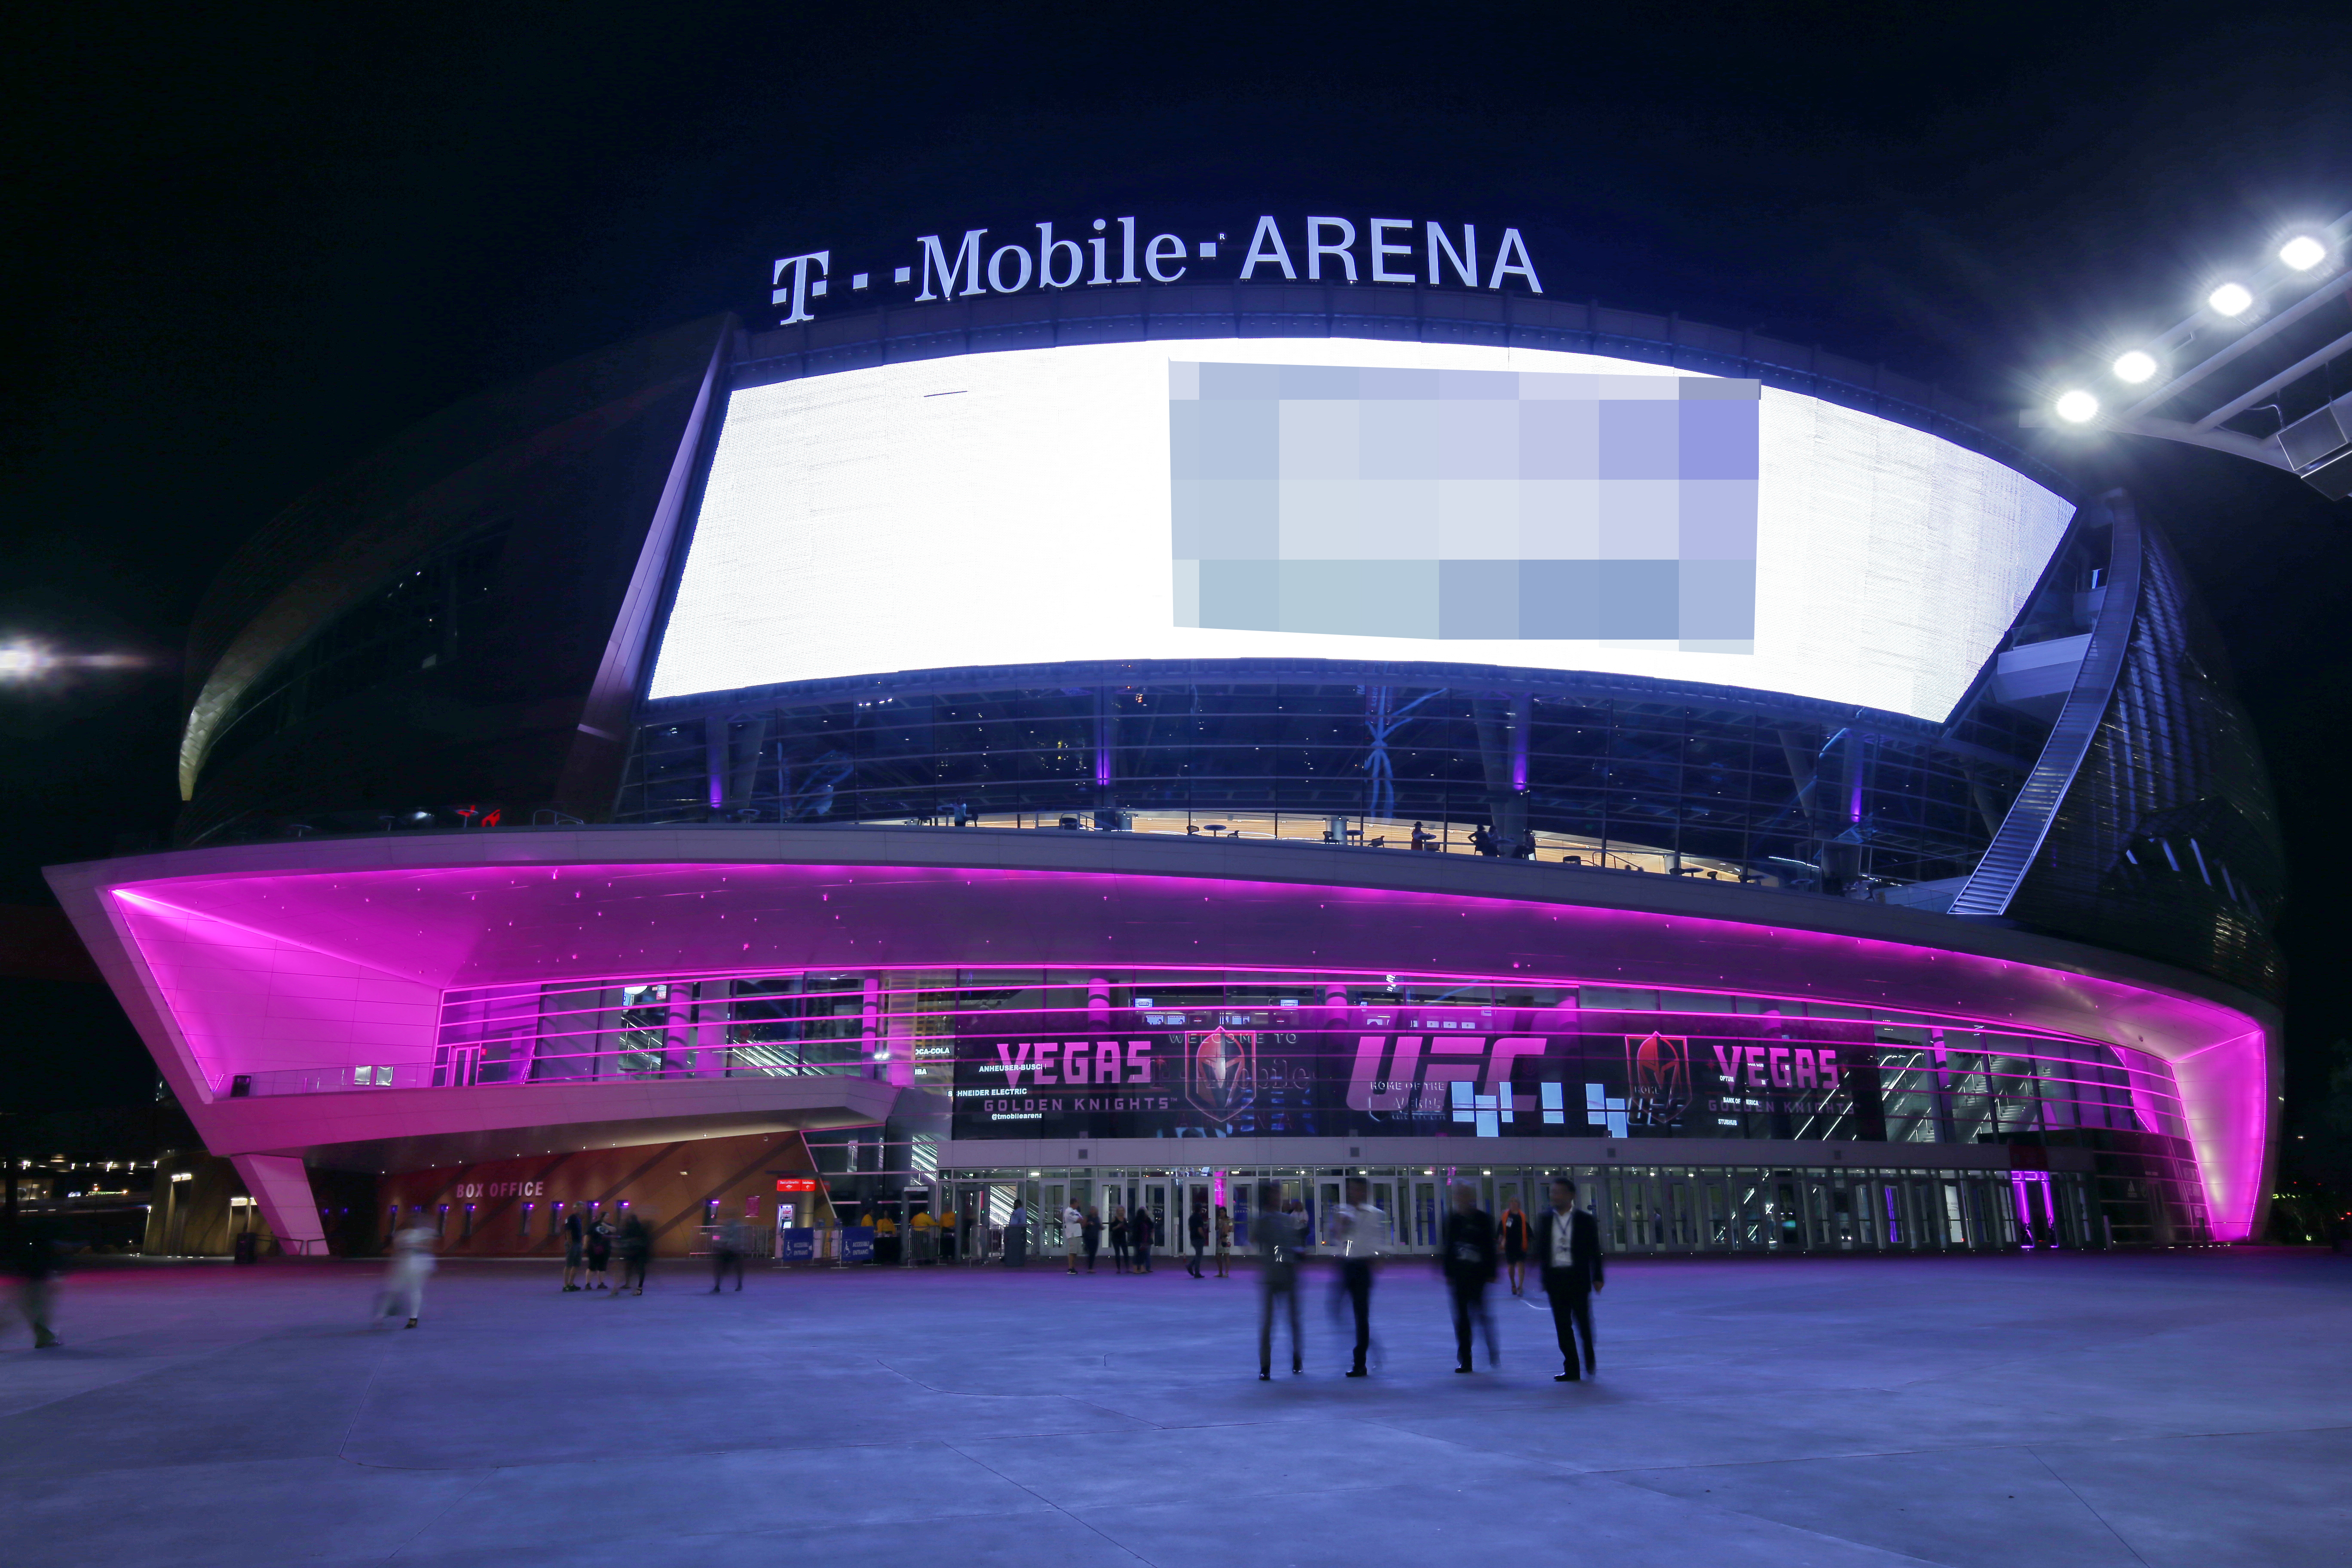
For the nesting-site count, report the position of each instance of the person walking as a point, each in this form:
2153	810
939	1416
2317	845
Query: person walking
575	1248
403	1282
1359	1231
1277	1250
1140	1229
1074	1237
1515	1246
726	1250
1196	1231
1469	1253
600	1252
1092	1228
947	1234
1119	1238
1568	1249
637	1243
1016	1236
1224	1241
29	1251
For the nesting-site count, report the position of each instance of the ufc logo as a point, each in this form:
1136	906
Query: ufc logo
1430	1063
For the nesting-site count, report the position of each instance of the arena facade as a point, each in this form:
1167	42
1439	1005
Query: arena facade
1051	733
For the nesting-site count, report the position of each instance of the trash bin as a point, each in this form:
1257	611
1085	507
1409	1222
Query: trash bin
248	1249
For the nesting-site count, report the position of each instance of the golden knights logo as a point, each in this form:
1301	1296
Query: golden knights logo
1220	1072
1657	1079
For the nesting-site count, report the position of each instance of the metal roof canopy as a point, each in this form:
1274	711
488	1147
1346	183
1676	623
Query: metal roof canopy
2315	447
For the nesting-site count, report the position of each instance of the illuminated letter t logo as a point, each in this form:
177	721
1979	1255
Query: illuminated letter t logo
802	289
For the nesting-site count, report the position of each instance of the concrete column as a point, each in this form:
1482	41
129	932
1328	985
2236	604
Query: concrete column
281	1186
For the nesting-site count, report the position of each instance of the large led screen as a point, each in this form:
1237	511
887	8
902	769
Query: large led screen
1341	499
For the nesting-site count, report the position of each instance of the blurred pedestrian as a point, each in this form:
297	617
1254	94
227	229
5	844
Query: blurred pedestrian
1016	1236
1359	1231
600	1251
1568	1249
1196	1231
29	1251
1224	1241
947	1234
1074	1233
1469	1255
1143	1230
575	1248
1119	1238
1092	1228
726	1250
636	1244
1277	1250
1515	1246
403	1282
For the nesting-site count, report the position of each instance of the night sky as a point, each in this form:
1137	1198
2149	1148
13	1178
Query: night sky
248	245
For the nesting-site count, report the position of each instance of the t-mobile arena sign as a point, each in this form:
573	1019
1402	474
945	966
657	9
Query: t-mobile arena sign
1109	253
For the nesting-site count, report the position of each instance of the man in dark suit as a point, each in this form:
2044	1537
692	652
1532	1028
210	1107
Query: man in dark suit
1567	1246
1469	1257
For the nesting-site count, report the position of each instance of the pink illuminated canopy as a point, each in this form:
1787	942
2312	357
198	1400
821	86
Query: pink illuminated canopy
278	957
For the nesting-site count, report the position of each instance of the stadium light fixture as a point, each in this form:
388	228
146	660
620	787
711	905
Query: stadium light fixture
24	661
2189	382
2231	300
2303	252
2077	407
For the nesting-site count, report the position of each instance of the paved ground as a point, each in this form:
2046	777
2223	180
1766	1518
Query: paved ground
2003	1412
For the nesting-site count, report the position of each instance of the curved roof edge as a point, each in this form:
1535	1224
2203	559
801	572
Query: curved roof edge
1267	671
997	324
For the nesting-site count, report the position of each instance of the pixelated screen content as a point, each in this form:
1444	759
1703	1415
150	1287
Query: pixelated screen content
1346	499
1461	505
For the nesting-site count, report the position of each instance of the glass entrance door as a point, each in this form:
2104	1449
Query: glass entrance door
1715	1215
1154	1197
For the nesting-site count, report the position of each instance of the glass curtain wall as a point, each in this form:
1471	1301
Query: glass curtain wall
1463	1064
1643	1210
1801	798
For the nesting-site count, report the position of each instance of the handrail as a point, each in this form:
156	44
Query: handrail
464	1071
2003	867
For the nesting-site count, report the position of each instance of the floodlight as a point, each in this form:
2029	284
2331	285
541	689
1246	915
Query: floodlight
2303	252
2077	407
2231	300
17	662
2136	366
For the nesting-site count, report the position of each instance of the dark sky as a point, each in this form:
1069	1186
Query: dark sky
248	243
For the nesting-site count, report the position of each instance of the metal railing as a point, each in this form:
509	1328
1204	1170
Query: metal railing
468	1070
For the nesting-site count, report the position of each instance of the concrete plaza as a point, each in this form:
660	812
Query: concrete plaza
1996	1411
